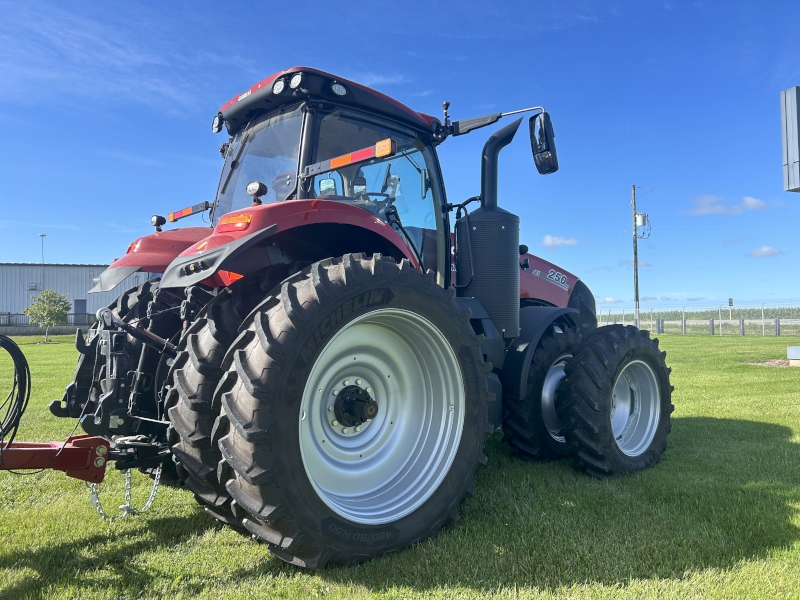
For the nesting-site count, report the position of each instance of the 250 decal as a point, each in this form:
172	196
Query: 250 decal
558	278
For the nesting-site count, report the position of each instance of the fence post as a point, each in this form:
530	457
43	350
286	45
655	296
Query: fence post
741	326
683	325
711	326
777	327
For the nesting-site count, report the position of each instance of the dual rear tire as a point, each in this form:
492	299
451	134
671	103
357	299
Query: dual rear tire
299	464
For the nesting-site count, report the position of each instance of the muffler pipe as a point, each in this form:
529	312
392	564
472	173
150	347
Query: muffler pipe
496	142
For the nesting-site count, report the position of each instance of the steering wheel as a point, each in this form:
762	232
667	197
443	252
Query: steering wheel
380	204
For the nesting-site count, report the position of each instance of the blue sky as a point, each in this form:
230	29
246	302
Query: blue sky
105	110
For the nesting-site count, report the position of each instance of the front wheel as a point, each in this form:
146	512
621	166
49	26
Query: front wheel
531	425
354	412
616	401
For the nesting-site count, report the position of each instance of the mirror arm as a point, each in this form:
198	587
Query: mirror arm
466	125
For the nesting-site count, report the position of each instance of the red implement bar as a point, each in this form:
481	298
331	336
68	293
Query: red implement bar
82	457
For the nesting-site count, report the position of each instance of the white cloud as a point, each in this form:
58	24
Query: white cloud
750	203
557	240
608	300
765	251
648	298
629	263
665	299
715	205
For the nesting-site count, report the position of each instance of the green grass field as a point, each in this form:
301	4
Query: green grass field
718	518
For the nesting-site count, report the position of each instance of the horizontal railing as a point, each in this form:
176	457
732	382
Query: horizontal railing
20	320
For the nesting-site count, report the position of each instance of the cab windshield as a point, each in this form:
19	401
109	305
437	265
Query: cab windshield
266	150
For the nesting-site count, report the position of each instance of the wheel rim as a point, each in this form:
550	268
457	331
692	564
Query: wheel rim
552	380
635	404
394	462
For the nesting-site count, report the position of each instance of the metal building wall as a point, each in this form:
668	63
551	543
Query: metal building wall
790	136
72	280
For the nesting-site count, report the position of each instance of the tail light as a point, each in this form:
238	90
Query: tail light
233	223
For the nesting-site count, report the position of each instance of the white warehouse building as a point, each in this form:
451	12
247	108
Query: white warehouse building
20	283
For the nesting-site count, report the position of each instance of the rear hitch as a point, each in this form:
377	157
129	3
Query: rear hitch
82	457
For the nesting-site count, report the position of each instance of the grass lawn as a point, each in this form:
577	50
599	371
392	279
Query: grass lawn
718	518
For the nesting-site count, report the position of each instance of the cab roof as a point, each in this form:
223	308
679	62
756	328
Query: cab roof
317	85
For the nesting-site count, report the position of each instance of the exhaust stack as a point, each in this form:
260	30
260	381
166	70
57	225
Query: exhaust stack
489	166
487	264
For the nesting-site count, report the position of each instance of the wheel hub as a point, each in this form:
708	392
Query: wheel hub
354	406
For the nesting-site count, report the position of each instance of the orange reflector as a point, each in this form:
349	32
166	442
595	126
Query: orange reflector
231	276
233	223
385	147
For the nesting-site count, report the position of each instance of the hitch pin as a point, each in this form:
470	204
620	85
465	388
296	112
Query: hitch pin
147	337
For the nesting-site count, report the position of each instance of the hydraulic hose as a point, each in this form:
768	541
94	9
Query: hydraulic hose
17	400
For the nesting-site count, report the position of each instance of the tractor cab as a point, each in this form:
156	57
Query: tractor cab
343	155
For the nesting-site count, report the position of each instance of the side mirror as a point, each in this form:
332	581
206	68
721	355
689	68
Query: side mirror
327	187
359	186
543	143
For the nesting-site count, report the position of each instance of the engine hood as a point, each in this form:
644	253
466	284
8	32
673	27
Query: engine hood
151	253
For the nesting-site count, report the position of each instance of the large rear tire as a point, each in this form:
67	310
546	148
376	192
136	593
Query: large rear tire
615	402
531	426
192	379
317	483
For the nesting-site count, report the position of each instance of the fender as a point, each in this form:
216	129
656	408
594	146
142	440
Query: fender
248	250
533	322
543	280
151	253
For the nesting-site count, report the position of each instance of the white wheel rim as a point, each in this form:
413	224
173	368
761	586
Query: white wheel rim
393	464
635	408
552	380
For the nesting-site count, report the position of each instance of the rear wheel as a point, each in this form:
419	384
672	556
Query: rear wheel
192	379
531	426
354	412
616	403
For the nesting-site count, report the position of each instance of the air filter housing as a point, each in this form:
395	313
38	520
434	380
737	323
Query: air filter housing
493	244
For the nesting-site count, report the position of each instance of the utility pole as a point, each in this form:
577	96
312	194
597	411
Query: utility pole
635	261
42	236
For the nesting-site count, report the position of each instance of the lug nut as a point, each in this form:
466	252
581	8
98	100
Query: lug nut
101	451
330	409
358	382
99	461
344	430
335	423
369	390
347	382
358	428
335	392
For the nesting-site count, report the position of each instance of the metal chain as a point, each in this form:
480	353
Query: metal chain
126	509
166	310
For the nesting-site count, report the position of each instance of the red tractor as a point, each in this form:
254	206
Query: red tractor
322	367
